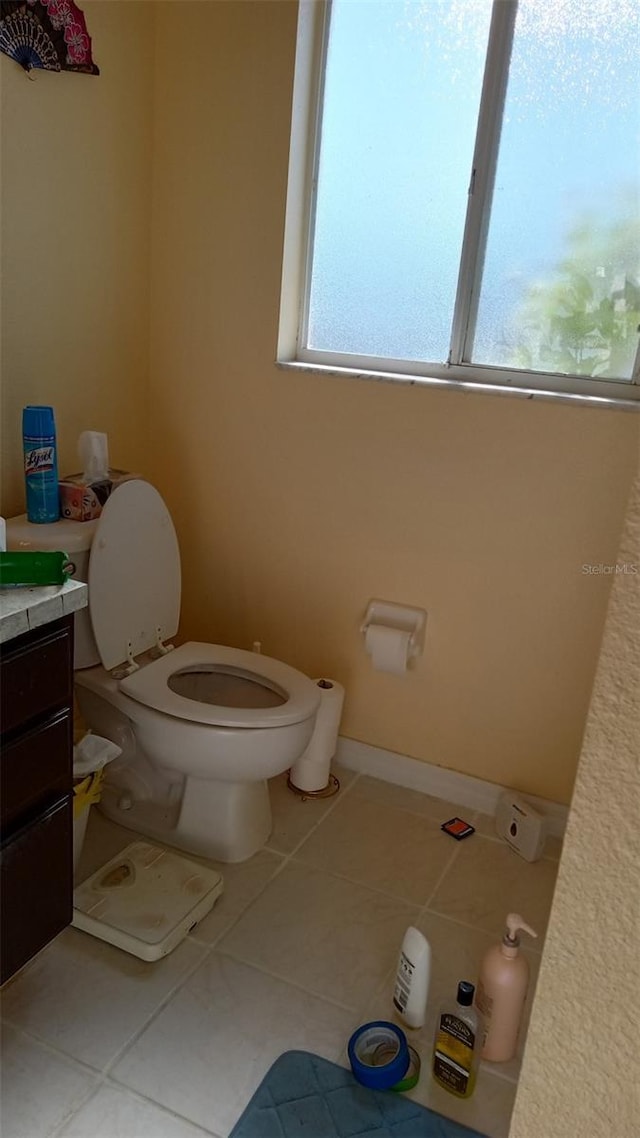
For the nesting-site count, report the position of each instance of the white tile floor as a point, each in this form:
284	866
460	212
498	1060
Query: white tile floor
301	949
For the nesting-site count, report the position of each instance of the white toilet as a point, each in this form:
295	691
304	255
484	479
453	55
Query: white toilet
202	727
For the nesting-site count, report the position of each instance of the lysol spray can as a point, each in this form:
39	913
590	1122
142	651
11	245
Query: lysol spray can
40	464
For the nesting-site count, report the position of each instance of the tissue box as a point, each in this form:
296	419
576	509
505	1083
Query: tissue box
82	501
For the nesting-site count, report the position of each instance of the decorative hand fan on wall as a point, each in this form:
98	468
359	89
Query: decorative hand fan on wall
49	34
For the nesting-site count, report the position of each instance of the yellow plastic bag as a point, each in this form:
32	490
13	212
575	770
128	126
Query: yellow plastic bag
87	791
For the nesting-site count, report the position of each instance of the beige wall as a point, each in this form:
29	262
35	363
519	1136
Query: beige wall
580	1070
297	498
76	185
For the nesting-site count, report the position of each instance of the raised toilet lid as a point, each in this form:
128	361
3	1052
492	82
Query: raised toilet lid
134	573
225	687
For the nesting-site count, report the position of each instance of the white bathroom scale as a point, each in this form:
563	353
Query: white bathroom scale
145	900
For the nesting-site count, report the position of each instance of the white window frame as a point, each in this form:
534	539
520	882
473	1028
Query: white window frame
458	371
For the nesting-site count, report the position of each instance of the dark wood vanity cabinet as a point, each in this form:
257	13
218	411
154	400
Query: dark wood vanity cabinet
36	791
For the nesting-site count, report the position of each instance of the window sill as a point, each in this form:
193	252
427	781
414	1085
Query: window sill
612	401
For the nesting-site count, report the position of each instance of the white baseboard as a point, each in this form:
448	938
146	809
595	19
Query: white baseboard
463	789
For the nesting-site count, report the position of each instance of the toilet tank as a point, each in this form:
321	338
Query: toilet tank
74	538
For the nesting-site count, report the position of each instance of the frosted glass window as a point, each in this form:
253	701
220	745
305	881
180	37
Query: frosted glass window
560	289
464	194
401	97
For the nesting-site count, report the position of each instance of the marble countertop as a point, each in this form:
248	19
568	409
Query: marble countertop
24	609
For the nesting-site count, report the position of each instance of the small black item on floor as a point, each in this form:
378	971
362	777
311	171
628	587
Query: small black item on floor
458	828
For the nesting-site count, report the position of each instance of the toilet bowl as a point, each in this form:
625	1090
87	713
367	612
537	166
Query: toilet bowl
201	726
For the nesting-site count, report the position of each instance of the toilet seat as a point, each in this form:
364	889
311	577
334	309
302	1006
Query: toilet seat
134	574
150	686
134	600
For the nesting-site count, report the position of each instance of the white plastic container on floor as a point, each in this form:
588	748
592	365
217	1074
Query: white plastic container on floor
411	987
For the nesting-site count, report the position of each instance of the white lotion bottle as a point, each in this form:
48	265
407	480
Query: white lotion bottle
412	978
502	990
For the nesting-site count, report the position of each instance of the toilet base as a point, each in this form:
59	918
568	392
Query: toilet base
223	821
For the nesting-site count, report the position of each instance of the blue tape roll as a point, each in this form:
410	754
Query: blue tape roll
379	1055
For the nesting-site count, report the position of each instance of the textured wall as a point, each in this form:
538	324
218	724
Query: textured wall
581	1070
298	497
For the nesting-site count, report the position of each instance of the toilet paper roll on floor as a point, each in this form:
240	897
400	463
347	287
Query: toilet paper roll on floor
311	772
388	648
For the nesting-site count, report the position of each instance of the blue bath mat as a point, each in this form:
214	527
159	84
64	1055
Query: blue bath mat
303	1096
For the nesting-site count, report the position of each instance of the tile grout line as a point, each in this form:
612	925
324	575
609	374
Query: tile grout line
106	1069
474	816
338	798
287	980
474	928
424	817
211	948
285	858
298	861
105	1077
72	1060
101	1078
293	856
420	910
115	1085
208	949
422	814
106	1081
193	937
57	1130
452	858
488	1069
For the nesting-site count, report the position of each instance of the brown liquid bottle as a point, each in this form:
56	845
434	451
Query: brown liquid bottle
456	1051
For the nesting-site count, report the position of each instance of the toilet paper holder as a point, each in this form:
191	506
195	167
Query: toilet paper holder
403	617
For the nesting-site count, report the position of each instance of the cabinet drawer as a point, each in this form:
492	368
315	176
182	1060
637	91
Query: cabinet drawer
36	673
37	901
36	768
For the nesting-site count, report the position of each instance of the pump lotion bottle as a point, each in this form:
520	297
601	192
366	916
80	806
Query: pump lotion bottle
412	978
502	989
